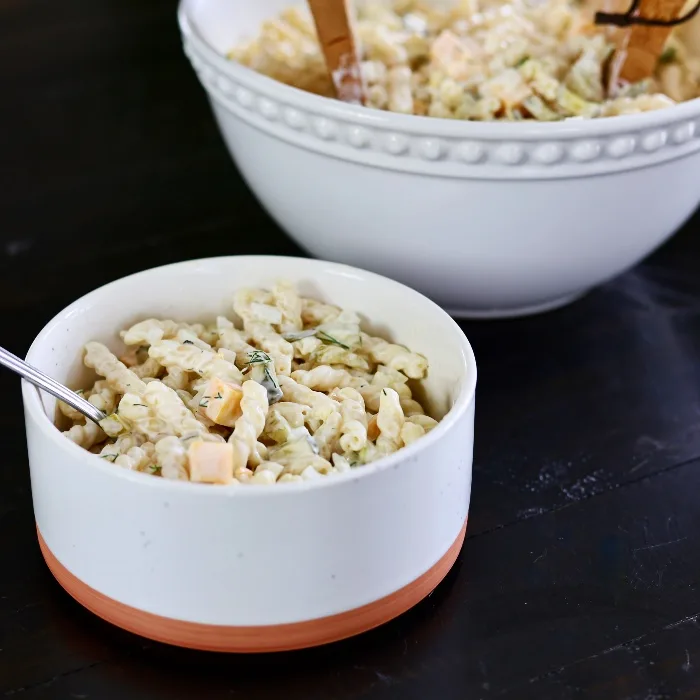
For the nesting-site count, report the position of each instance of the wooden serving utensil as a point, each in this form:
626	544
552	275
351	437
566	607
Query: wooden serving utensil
335	33
640	44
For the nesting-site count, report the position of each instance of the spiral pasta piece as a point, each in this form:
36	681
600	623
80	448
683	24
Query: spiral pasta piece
298	394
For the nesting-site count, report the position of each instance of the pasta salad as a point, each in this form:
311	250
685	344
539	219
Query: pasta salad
298	392
480	60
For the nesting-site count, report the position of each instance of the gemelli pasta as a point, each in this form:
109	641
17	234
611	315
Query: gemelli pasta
298	392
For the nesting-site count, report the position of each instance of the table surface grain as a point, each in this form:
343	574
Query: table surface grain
580	574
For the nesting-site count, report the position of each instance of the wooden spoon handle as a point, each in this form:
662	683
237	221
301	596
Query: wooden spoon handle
640	47
338	44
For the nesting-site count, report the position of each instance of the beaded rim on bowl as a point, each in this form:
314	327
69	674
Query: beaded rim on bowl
524	150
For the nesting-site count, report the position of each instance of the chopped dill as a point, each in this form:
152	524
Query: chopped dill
111	458
670	55
326	338
258	357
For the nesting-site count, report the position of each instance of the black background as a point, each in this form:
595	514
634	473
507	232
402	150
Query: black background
579	577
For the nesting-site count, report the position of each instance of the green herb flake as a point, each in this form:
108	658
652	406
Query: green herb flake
326	338
219	396
257	357
203	403
188	342
142	405
670	55
111	458
155	468
522	61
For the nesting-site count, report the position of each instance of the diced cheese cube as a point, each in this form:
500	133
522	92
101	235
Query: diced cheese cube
451	54
222	402
373	429
211	462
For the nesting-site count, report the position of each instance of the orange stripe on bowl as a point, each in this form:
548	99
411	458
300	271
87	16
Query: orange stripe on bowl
266	638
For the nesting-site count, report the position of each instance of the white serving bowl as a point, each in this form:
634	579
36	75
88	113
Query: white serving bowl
252	568
488	219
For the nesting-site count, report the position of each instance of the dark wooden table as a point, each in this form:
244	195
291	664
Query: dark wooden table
580	574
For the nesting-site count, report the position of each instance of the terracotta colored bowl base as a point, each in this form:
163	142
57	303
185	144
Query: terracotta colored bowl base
297	635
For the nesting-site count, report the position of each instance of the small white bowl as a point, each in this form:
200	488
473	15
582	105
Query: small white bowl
488	219
252	568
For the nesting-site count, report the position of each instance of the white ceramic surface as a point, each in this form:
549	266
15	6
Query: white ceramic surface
487	219
252	555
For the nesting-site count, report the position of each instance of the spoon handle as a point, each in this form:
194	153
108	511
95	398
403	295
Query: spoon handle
641	46
337	40
39	379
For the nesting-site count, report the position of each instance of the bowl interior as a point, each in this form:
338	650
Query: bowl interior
223	24
201	290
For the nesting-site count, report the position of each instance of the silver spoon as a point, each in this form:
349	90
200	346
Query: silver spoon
39	379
